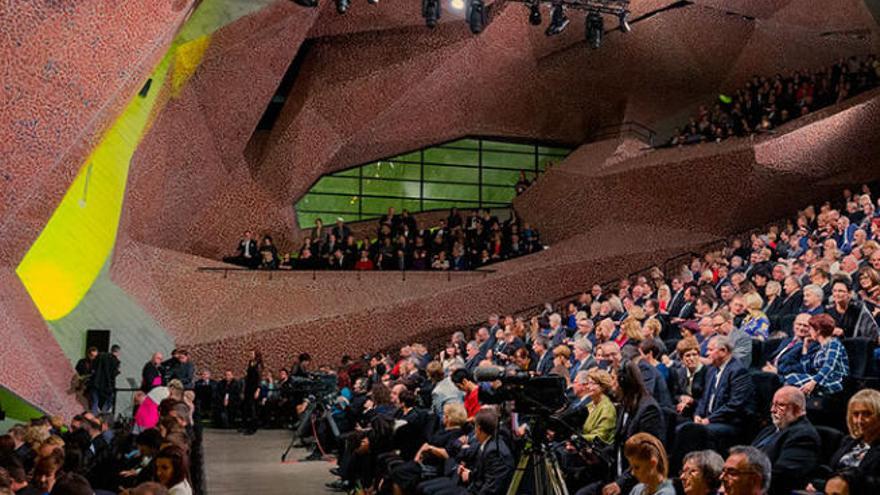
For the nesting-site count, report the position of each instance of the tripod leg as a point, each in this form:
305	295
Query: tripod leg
518	473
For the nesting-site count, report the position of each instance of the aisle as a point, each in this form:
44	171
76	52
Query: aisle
236	464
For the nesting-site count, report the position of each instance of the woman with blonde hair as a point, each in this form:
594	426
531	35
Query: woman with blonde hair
630	332
602	419
562	362
861	449
649	465
664	295
756	324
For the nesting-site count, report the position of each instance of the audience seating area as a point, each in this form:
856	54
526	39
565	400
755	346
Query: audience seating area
769	102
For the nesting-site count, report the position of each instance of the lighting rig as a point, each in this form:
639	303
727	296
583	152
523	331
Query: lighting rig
341	5
594	24
477	16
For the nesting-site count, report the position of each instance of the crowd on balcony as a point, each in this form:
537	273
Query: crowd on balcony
457	243
157	451
766	103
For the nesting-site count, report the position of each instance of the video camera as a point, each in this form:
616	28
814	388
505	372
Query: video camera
318	385
531	395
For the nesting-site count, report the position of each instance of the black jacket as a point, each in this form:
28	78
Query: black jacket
735	395
869	466
793	452
647	418
493	469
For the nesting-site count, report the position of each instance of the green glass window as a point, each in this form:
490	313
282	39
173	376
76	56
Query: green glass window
466	173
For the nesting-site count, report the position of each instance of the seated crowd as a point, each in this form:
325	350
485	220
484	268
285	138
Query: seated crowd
457	243
763	353
155	452
765	103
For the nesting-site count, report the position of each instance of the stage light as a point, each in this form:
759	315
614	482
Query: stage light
595	29
457	4
431	12
476	16
558	21
306	3
624	24
535	14
342	6
372	2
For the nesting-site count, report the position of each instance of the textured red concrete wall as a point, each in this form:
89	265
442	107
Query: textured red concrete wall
69	68
34	367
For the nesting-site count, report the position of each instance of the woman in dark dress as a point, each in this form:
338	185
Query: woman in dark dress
252	377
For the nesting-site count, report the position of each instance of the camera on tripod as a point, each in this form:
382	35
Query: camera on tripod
531	395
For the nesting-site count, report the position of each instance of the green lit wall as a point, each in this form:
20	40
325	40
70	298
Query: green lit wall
467	173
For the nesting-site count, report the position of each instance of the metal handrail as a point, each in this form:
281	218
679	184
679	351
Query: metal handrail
485	272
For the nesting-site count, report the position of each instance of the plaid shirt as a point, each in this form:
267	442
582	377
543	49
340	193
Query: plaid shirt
828	367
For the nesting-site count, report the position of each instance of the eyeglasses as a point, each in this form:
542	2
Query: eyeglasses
736	473
779	405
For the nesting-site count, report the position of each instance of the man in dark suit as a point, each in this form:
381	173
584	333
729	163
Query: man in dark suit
473	356
246	252
786	358
544	356
726	407
676	301
583	357
791	442
575	412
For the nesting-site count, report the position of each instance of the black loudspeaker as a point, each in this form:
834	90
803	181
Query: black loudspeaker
99	339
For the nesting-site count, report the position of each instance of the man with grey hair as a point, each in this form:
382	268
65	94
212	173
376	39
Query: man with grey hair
701	472
746	471
557	332
742	344
473	356
813	297
583	357
792	443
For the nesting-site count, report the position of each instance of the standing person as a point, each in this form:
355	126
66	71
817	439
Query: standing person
252	378
82	384
104	380
151	375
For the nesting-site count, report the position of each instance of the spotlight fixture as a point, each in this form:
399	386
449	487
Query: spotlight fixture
624	23
372	2
342	6
558	21
307	3
476	15
595	29
535	14
431	12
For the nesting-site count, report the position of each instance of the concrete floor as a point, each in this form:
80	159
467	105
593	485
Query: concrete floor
237	464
